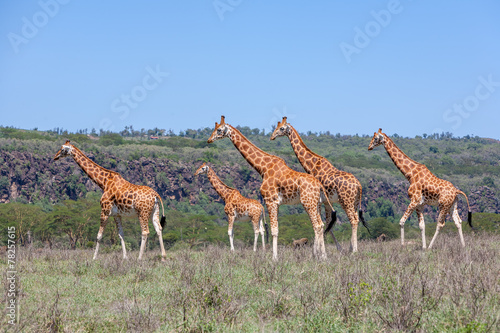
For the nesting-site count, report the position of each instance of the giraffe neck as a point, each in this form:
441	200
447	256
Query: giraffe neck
306	157
95	172
257	158
222	189
400	159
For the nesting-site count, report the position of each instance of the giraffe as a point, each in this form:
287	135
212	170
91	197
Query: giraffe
120	199
425	189
280	185
237	208
341	186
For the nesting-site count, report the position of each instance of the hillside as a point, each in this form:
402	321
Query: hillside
28	173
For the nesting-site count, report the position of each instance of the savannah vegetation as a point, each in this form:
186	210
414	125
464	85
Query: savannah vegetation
385	287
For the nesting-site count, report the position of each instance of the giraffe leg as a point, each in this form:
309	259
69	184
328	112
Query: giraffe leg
421	224
230	232
353	218
158	229
440	223
256	231
118	222
328	218
144	219
261	231
104	220
413	205
318	226
458	221
273	218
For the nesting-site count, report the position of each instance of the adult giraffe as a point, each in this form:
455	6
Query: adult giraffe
341	186
237	207
120	198
425	189
280	184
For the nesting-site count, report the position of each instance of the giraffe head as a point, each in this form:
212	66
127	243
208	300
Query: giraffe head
221	131
377	140
283	128
202	169
66	150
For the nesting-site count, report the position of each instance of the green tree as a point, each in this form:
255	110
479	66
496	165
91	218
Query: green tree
381	225
380	208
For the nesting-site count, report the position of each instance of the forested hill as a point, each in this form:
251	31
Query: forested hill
28	173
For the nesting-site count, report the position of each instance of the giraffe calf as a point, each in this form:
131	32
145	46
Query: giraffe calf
298	243
237	207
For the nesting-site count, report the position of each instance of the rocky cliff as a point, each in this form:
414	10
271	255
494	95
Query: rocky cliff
29	177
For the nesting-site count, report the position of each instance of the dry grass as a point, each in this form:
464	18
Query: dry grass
384	288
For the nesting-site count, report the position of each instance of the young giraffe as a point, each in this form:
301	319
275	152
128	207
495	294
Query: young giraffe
120	198
280	184
237	208
425	189
342	187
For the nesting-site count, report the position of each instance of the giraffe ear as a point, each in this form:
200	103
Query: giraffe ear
222	120
283	121
216	124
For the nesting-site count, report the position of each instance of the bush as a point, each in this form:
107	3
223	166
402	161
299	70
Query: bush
381	225
111	139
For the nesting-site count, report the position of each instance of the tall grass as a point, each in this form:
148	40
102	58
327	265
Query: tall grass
384	287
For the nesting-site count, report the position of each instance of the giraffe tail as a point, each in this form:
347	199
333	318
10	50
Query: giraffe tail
334	213
332	222
360	212
469	214
163	220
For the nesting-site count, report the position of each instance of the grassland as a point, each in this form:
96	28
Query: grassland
385	287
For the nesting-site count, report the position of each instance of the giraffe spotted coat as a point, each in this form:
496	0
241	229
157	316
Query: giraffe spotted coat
425	189
280	184
237	207
119	199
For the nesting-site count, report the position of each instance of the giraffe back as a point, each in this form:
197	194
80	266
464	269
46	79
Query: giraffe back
128	199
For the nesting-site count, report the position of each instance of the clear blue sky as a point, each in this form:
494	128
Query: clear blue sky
410	67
